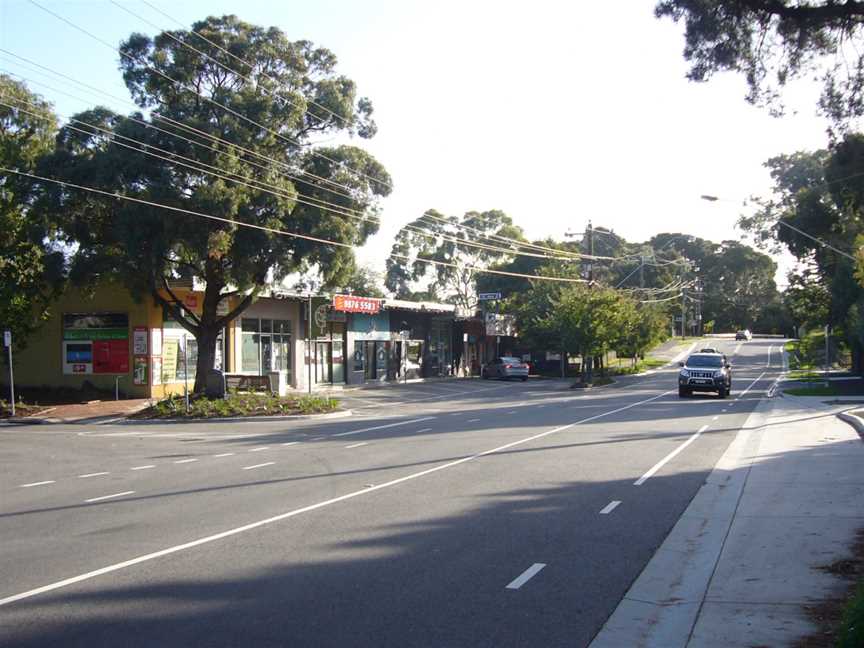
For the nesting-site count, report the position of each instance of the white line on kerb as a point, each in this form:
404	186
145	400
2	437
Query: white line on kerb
357	445
224	454
105	497
179	461
611	506
384	427
258	449
669	457
527	575
42	483
269	463
92	475
142	467
306	509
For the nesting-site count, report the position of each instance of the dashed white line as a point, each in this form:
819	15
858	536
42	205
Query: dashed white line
512	412
182	461
384	427
473	420
318	438
527	575
290	443
224	454
261	465
96	474
669	457
258	449
41	483
142	467
611	506
715	418
357	445
105	497
420	431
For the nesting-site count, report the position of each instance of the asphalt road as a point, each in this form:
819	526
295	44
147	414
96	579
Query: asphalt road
463	513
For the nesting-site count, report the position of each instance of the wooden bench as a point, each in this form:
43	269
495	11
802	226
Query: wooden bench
239	382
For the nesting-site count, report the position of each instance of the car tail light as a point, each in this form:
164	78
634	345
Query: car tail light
508	366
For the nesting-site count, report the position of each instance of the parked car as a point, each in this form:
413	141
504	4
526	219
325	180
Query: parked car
705	372
506	367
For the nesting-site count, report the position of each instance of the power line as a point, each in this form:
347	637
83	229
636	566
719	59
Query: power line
281	232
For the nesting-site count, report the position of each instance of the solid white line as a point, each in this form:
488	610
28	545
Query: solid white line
224	454
527	575
142	467
258	449
42	483
611	506
92	475
289	443
749	387
473	420
357	445
423	430
306	509
185	461
669	457
384	427
269	463
105	497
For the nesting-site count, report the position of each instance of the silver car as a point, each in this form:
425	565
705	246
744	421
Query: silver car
506	367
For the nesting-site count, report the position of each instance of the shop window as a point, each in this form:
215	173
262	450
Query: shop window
415	352
359	346
269	350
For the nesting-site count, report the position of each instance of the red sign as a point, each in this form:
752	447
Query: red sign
351	304
110	356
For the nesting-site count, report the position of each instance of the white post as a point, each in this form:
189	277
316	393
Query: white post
827	351
309	340
7	340
185	376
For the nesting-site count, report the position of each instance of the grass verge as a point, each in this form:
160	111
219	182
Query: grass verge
851	633
21	409
238	404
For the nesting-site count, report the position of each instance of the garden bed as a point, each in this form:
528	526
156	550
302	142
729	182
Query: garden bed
238	404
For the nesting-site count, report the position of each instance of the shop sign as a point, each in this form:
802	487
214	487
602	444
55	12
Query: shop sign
351	304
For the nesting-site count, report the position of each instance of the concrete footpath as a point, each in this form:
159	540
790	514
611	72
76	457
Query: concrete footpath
743	561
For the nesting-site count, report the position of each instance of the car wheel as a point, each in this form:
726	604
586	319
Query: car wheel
524	378
484	374
683	393
722	392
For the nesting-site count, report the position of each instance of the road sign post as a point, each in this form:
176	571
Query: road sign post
7	342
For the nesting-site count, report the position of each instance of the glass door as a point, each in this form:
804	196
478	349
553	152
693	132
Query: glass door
323	373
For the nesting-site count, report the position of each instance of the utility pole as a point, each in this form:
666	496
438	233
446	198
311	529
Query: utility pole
641	270
590	233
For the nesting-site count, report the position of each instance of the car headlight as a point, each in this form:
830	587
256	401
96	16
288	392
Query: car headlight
685	373
718	374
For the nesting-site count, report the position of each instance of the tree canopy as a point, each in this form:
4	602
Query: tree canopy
228	139
772	42
31	271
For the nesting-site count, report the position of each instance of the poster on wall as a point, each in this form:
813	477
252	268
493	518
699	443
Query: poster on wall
139	370
156	373
156	341
139	340
170	351
95	343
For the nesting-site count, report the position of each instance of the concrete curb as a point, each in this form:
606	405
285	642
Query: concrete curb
854	420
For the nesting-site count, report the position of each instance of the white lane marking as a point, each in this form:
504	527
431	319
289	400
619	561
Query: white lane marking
92	475
42	483
384	427
527	575
224	454
473	420
768	364
715	418
142	467
258	449
105	497
749	387
319	438
611	506
357	445
512	412
723	410
289	443
669	457
269	463
306	509
737	348
421	430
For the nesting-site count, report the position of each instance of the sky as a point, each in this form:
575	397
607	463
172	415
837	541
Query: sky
555	112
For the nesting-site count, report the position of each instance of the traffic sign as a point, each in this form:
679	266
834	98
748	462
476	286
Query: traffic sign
488	296
7	338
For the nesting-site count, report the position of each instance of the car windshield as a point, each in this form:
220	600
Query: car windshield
509	360
705	361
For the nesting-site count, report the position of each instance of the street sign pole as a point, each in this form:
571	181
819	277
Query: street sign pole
7	340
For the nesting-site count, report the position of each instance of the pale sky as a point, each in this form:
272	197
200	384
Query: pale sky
554	112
